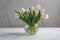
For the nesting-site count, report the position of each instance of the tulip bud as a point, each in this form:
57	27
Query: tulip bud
42	10
22	10
32	8
27	10
17	15
38	7
42	13
46	16
36	11
19	11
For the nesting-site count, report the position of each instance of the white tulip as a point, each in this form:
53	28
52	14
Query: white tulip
36	11
17	15
46	16
38	7
42	12
27	10
32	8
19	11
22	10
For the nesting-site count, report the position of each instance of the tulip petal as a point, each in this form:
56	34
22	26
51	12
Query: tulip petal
22	10
46	16
38	7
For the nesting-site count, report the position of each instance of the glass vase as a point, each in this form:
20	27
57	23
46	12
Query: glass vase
32	30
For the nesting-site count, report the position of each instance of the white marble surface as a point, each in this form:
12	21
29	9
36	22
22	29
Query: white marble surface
19	34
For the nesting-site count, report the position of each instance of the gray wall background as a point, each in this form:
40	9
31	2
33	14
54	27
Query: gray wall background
7	14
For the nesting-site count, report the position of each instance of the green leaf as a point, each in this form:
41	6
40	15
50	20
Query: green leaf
30	16
33	17
26	18
37	18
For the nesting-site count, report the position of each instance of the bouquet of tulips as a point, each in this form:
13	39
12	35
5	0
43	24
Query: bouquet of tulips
32	15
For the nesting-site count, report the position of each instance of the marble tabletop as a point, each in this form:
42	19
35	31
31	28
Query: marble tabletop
19	34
